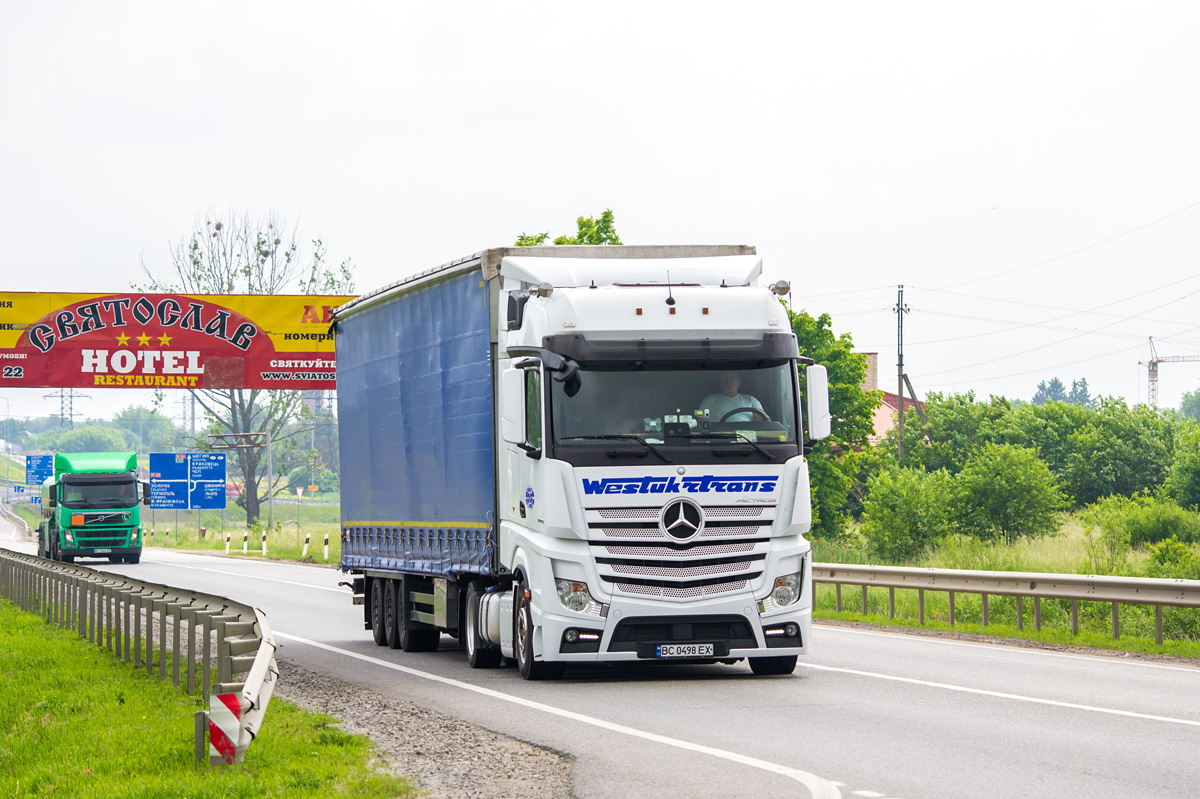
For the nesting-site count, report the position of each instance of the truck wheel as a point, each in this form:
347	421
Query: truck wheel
136	558
784	664
55	550
523	641
412	639
390	620
41	543
480	654
378	631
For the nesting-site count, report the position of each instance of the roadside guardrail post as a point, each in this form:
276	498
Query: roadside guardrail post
1116	616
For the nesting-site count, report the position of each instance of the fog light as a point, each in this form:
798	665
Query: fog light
791	630
572	636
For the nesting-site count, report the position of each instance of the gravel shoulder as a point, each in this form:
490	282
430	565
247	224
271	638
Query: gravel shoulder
449	758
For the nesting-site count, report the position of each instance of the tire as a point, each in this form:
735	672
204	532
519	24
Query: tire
55	549
116	558
480	654
523	642
41	541
134	558
412	638
66	558
390	617
378	631
783	664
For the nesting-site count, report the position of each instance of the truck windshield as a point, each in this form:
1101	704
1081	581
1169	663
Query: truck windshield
93	494
677	403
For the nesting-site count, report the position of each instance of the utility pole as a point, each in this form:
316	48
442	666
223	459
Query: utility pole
255	441
900	310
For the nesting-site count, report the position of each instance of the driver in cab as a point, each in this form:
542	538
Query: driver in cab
729	399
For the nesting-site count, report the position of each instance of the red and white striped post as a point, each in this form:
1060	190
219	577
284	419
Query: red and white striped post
167	538
225	730
245	540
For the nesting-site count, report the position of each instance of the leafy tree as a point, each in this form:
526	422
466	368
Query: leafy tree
1006	492
905	511
1183	482
1054	391
1119	450
589	231
852	410
149	428
234	253
1080	395
956	426
1047	428
1190	405
85	438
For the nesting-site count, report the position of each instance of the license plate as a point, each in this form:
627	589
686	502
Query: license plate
683	651
102	551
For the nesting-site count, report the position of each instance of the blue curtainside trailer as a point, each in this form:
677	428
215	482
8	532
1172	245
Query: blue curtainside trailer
415	409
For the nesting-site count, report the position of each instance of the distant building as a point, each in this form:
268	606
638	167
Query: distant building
885	414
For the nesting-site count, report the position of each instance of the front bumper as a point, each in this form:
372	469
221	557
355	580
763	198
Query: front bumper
635	629
99	552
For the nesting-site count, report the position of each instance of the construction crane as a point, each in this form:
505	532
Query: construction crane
1152	365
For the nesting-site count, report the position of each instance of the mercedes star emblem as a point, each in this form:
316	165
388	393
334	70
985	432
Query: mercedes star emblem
682	519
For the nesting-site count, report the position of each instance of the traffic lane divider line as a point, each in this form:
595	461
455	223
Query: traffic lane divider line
1007	644
342	591
1001	695
818	787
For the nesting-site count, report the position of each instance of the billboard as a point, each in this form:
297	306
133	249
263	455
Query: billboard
137	340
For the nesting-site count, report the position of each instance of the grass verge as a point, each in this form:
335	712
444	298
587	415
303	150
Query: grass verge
75	721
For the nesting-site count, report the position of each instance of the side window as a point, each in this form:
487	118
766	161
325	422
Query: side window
533	408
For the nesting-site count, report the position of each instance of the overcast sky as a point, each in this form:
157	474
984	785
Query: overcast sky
1027	170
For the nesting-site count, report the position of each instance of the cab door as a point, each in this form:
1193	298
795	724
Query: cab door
524	431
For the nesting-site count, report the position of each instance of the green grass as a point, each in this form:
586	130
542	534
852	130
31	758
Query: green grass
286	542
1063	552
74	721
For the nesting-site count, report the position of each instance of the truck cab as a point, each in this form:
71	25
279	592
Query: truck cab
92	508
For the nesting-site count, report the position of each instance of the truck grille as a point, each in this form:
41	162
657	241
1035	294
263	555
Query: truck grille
636	556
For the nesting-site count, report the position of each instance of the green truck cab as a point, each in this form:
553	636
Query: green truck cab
92	508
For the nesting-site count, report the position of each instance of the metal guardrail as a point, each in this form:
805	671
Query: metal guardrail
122	615
1074	587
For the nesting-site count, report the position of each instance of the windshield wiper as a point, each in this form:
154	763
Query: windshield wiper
624	437
743	437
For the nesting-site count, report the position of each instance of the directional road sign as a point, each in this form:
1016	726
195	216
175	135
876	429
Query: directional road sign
187	480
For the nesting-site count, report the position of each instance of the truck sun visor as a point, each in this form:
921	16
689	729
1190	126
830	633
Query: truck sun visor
577	347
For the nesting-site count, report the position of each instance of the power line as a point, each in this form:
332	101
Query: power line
1076	251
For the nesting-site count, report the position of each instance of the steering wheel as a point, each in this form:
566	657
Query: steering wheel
764	416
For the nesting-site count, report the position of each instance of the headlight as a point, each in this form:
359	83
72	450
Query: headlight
574	596
786	591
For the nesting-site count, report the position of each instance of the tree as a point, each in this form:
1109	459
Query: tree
956	426
149	428
233	253
1006	492
1050	392
85	438
1190	405
906	510
590	231
853	412
1120	450
1080	395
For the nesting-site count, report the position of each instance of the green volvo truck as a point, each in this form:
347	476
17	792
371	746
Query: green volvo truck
92	508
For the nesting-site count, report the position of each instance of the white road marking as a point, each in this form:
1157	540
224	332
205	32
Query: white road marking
819	788
1008	647
1000	695
251	576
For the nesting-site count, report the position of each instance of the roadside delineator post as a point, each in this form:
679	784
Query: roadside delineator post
245	540
225	746
327	546
264	541
226	542
307	536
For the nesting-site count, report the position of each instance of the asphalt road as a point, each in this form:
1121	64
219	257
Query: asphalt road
870	714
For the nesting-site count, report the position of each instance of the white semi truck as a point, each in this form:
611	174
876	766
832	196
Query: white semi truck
575	455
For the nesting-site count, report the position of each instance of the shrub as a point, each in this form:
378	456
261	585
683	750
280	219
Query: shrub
1172	559
1007	492
1107	538
905	510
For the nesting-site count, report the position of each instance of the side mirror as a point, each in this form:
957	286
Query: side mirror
512	405
816	379
53	502
145	492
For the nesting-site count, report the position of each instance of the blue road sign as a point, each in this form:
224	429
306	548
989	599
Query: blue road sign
38	468
187	480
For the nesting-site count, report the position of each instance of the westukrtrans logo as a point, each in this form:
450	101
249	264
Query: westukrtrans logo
676	485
